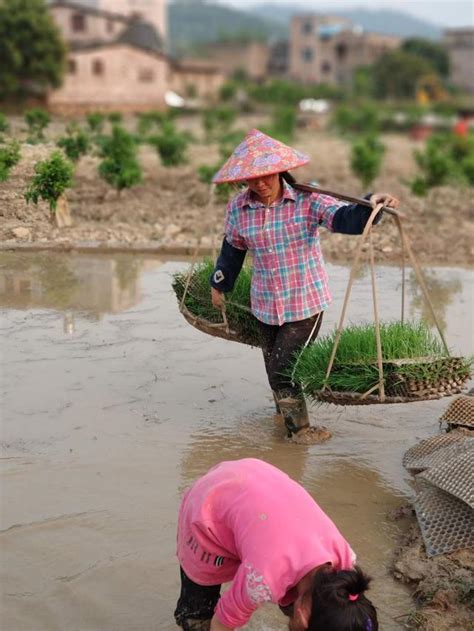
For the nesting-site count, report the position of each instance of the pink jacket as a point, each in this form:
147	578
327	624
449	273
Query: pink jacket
247	522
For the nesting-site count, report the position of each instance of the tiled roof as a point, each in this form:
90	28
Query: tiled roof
141	35
82	8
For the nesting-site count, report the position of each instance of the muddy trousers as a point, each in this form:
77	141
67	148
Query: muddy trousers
196	604
279	344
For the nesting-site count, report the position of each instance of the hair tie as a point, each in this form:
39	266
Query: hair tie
353	597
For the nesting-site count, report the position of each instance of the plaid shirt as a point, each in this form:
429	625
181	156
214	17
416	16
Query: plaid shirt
289	280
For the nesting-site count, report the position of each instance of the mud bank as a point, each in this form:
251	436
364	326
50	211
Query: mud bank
171	208
442	585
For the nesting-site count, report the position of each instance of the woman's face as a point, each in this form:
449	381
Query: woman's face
267	188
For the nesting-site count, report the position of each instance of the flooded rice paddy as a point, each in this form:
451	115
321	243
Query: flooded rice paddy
112	405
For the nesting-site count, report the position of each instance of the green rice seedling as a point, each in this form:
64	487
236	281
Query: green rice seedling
198	300
410	351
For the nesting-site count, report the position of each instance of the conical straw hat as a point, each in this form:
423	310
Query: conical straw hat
258	155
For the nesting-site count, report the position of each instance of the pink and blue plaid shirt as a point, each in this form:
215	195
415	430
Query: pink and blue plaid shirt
289	280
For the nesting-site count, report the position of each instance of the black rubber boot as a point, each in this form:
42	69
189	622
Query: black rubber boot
295	413
191	624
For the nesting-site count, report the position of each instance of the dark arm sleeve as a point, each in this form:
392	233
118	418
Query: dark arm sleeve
228	266
351	219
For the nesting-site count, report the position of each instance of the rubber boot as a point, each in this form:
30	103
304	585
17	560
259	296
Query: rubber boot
295	414
191	624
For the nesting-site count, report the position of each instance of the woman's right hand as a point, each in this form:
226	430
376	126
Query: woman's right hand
217	298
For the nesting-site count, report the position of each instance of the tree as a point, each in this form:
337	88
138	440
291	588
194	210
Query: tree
32	51
9	156
366	158
52	178
397	74
431	52
120	167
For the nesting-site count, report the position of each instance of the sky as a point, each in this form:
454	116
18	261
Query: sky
446	13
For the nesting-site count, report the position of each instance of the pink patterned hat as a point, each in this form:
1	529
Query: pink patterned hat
257	155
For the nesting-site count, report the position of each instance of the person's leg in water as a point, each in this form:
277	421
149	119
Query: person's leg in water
279	346
196	604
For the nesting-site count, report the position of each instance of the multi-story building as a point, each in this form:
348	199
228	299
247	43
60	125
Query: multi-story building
327	49
459	43
118	60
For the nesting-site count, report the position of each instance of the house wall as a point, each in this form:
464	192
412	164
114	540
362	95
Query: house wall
252	57
130	80
327	49
460	46
95	27
205	83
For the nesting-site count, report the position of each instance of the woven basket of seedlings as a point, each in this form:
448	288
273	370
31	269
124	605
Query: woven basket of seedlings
193	291
415	366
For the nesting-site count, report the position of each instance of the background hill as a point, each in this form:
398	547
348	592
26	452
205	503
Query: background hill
194	21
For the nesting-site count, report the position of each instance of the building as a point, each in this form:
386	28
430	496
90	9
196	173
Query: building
118	61
251	58
153	11
459	43
327	49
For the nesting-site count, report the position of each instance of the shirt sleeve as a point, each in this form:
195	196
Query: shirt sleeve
248	592
231	232
323	210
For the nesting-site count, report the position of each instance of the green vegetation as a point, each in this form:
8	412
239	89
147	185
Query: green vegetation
9	156
397	74
31	49
362	118
198	300
171	144
115	118
75	144
95	121
53	177
37	120
4	125
366	158
355	366
119	167
447	158
218	121
283	123
435	54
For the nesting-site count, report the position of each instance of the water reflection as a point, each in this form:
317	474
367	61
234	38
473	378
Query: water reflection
70	283
441	291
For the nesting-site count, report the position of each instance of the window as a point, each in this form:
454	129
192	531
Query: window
78	22
97	67
146	75
110	26
306	28
307	55
71	66
341	51
325	67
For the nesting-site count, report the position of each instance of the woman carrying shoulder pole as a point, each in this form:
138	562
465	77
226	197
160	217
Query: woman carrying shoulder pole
279	225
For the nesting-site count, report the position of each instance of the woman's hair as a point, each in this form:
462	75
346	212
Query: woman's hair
339	603
286	175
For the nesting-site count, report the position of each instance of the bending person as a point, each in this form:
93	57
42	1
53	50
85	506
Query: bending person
279	225
247	522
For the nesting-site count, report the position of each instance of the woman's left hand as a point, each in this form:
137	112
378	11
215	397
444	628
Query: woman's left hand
385	199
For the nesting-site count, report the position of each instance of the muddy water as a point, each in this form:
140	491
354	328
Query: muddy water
112	404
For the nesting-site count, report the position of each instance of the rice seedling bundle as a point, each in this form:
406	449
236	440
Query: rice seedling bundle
415	365
200	312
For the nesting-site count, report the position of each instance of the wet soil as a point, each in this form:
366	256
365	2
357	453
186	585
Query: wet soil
113	404
442	585
172	208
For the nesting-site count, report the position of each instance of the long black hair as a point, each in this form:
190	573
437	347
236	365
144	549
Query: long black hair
339	603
